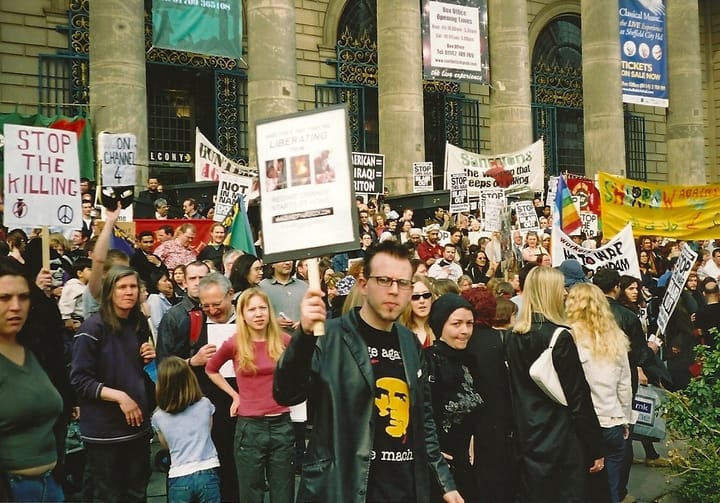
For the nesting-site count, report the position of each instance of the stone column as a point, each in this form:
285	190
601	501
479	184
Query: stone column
510	110
272	85
602	88
118	100
400	91
685	129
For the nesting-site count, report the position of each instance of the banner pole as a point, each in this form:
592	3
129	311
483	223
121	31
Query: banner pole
45	236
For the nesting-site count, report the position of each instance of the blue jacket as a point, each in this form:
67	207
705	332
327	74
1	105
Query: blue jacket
101	358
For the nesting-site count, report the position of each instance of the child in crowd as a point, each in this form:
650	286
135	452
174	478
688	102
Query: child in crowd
71	298
182	421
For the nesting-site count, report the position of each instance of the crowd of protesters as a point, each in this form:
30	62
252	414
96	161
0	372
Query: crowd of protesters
419	391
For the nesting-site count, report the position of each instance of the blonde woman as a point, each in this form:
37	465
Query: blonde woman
417	314
559	444
264	438
603	348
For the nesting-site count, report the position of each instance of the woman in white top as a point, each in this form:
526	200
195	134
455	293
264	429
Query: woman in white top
603	351
533	248
162	293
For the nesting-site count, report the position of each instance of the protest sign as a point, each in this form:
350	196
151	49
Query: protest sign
687	212
675	286
42	177
551	191
422	177
492	213
527	218
368	173
459	200
619	253
523	167
455	41
306	211
210	162
229	187
117	159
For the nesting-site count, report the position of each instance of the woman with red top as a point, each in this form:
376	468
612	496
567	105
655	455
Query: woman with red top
416	316
264	438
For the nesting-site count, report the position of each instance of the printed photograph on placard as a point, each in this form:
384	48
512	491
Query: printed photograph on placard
300	172
275	175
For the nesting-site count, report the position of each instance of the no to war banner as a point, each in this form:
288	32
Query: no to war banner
522	167
619	253
686	212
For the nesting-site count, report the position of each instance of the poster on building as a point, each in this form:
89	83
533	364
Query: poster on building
117	159
229	188
212	27
527	217
523	167
210	162
687	212
298	199
368	173
422	177
459	200
455	41
643	52
42	177
675	286
619	253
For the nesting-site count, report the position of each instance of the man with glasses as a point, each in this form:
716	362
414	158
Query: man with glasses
178	251
365	227
373	437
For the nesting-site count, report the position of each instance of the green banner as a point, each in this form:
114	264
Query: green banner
212	27
80	125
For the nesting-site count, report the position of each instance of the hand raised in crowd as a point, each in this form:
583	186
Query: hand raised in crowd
312	310
43	280
111	216
200	358
147	352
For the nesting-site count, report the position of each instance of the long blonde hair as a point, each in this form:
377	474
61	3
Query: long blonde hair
543	294
407	317
594	326
245	352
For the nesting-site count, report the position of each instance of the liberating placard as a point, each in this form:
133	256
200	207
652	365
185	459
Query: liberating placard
308	202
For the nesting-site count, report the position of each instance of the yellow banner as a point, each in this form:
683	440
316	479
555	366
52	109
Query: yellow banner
684	212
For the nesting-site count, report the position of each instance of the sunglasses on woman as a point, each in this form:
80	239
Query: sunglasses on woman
418	296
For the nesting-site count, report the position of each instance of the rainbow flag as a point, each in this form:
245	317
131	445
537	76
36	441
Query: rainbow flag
569	220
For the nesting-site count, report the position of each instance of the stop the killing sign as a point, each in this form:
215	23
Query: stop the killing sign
42	173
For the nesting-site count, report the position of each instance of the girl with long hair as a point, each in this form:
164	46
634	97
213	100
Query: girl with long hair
417	313
183	421
264	438
603	349
480	270
560	444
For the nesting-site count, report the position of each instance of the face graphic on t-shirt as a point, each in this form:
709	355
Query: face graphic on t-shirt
392	399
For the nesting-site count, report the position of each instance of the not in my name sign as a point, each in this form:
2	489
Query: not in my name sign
42	174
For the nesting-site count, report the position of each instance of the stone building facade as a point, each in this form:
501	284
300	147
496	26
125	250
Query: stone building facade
366	53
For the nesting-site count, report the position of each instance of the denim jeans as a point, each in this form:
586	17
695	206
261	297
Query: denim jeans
615	446
202	486
265	449
117	472
40	488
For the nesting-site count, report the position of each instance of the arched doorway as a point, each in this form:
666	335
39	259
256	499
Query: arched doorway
557	94
449	115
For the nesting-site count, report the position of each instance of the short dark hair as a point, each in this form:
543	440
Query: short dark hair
80	264
167	229
710	287
145	234
524	271
389	247
606	279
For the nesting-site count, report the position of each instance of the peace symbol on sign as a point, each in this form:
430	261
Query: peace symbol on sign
65	214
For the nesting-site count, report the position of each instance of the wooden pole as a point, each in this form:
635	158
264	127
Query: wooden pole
45	236
314	283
